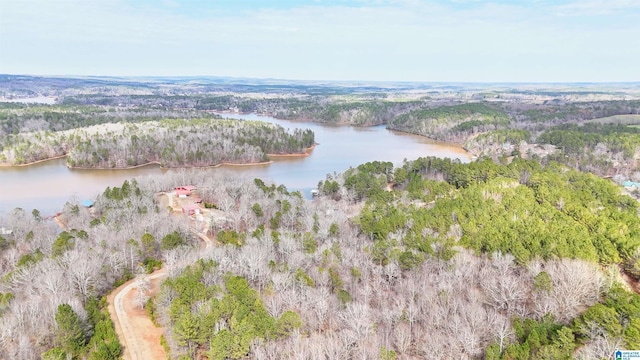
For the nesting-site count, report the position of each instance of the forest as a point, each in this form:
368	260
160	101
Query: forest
388	262
448	122
91	141
605	149
524	253
18	118
488	123
488	119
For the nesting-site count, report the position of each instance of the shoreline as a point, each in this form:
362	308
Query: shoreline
305	154
177	167
470	154
33	162
288	155
238	164
459	144
456	144
124	168
443	142
296	120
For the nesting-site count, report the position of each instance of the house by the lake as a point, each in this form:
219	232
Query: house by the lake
191	209
184	191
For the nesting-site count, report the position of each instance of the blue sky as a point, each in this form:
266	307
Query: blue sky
383	40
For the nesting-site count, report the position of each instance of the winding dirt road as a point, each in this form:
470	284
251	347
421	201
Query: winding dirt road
138	335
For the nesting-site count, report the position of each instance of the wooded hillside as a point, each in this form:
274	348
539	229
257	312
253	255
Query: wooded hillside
476	260
169	142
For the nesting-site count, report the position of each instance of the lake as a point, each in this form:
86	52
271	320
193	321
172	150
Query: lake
47	186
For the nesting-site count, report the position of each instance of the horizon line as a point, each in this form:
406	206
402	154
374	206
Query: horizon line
244	78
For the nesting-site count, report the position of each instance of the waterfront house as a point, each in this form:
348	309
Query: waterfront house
191	209
184	191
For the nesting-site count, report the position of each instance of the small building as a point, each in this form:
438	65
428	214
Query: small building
631	184
315	192
184	191
4	231
87	203
191	209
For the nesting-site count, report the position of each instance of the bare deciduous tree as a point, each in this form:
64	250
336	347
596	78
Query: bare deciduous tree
142	289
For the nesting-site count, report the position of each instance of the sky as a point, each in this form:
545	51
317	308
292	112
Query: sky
361	40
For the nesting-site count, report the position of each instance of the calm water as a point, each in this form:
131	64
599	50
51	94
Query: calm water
47	186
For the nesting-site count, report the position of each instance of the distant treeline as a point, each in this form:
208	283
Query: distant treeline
450	122
368	109
17	118
492	128
169	142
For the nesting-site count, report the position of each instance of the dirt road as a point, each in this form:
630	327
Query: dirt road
138	335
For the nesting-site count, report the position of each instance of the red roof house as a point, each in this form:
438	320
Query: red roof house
191	209
183	191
